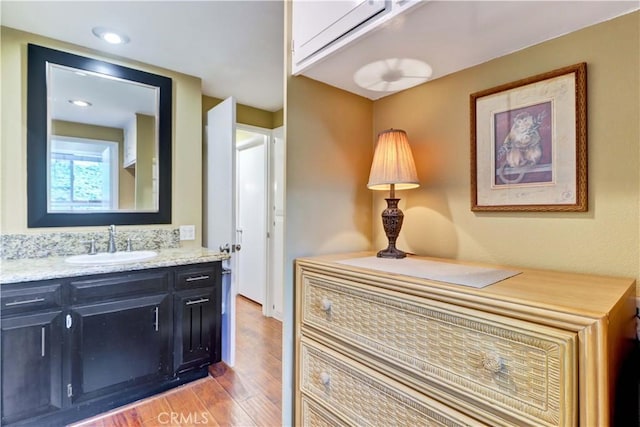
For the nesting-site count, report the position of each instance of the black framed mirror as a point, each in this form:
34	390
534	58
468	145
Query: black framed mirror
99	142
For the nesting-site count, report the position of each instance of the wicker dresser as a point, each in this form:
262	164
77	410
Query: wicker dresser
376	348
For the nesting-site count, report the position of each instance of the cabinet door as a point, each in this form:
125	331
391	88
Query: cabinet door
197	328
118	344
316	24
31	365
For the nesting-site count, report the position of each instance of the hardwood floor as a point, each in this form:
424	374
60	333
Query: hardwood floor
250	394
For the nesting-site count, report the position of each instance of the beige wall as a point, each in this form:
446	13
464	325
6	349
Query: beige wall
278	118
145	156
329	153
187	136
438	219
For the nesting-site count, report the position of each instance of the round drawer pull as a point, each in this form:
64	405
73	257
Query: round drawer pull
325	304
325	378
492	363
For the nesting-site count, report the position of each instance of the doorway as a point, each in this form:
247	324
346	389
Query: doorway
220	217
260	216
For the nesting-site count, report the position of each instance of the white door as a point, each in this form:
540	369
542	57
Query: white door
252	218
219	209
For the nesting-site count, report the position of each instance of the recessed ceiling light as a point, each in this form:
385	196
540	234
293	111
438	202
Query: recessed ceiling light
110	36
80	103
392	74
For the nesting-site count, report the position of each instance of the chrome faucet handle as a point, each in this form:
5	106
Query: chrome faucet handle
111	248
92	246
129	245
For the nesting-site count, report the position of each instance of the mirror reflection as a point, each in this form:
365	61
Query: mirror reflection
102	145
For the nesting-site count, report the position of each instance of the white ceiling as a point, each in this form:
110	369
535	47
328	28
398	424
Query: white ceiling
114	102
236	47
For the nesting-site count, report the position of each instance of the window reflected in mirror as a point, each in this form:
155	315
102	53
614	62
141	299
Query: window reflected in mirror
83	175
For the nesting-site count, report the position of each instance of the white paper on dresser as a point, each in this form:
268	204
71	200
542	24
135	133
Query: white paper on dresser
466	275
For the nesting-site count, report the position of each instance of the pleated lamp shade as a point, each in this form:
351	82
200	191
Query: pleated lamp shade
393	162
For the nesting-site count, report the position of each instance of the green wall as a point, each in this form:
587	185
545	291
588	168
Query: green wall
245	114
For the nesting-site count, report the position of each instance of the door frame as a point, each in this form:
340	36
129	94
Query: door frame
267	307
272	256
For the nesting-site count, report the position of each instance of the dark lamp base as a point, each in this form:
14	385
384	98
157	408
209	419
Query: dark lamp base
392	218
391	253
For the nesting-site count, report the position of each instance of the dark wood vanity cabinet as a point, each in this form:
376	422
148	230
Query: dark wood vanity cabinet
31	377
79	346
197	302
119	332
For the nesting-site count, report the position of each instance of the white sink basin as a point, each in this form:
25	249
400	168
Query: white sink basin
103	258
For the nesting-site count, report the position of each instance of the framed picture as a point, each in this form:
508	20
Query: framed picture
529	144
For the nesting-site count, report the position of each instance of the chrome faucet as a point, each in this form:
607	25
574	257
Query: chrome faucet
112	239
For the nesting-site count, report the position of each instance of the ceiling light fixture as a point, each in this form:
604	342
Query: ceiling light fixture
80	103
392	74
110	36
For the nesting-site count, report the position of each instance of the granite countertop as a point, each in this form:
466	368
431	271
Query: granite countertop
30	269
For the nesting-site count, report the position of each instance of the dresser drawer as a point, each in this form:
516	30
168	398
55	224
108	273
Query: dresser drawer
30	297
514	369
361	396
314	415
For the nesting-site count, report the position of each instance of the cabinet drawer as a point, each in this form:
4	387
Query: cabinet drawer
361	396
30	296
115	286
197	277
514	369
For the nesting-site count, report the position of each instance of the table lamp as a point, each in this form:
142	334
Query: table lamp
392	169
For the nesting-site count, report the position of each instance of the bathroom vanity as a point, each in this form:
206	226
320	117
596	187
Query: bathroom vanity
536	348
79	344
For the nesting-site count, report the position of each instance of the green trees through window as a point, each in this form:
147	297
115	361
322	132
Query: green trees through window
81	175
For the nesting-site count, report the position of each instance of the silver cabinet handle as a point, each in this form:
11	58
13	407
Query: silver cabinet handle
194	279
156	324
198	301
43	341
27	301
